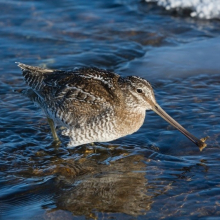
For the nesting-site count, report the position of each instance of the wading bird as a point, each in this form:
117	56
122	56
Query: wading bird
95	105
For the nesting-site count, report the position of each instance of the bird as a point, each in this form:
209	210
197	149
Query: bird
94	105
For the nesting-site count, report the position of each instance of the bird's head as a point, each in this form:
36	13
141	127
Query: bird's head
139	95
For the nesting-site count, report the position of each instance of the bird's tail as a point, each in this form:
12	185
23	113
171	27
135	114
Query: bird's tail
34	76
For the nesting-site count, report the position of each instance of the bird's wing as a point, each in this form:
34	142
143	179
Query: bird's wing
74	96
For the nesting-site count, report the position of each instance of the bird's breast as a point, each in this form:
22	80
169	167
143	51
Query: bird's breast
130	121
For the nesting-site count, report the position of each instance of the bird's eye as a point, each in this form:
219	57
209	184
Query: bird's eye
139	90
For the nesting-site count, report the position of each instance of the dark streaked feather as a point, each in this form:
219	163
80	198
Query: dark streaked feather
79	92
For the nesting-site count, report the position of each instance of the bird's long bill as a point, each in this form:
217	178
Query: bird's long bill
165	116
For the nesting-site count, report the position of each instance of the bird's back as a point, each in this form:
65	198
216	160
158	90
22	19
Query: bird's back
53	84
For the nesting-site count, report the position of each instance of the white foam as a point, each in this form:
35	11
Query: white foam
205	9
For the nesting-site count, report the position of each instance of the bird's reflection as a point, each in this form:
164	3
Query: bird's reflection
117	187
110	181
87	180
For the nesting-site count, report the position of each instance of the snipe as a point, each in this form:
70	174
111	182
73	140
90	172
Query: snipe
95	105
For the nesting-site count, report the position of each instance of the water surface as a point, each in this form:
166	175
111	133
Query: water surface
156	173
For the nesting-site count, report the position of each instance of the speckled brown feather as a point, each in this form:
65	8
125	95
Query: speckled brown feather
74	91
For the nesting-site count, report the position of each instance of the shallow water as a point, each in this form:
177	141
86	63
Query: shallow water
155	173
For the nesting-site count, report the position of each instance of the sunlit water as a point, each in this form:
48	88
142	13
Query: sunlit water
156	173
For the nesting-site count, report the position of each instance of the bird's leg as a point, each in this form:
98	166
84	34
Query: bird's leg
94	147
53	130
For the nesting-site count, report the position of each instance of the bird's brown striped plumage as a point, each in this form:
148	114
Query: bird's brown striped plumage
95	105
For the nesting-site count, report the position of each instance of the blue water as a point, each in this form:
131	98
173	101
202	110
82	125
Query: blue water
156	173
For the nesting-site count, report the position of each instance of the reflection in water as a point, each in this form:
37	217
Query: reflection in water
100	179
87	181
118	187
